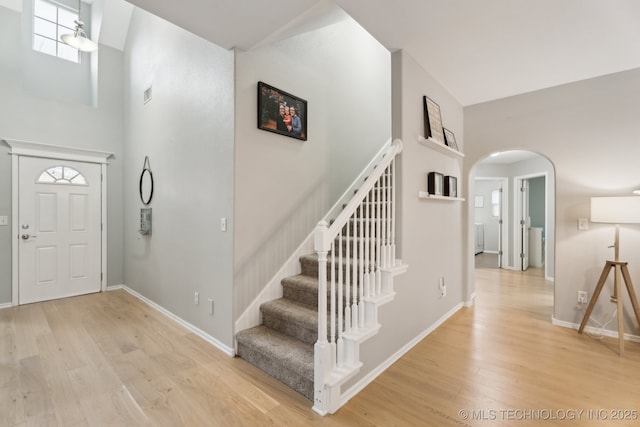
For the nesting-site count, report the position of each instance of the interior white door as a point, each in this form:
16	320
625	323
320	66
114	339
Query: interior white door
524	225
59	228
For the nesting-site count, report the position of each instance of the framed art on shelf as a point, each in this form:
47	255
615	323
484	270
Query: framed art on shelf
282	113
450	139
435	183
432	120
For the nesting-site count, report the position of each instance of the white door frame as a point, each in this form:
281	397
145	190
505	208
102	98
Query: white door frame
518	208
36	149
504	238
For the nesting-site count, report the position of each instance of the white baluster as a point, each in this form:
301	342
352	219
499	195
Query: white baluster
354	268
361	266
333	294
393	212
340	307
378	236
347	278
367	252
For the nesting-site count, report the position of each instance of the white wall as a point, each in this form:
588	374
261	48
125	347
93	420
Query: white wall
429	232
284	186
50	77
187	132
33	116
588	130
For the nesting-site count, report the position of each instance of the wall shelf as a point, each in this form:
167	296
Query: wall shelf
435	145
425	195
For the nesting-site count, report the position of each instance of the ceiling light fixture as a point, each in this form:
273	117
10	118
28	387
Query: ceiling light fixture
79	40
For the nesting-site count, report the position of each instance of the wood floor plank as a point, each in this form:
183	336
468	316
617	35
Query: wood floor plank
110	359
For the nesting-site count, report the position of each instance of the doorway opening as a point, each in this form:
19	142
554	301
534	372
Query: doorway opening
511	219
513	212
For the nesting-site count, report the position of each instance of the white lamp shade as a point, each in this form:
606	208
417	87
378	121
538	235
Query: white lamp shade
616	210
79	42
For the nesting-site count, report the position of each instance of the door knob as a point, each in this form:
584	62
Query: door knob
25	236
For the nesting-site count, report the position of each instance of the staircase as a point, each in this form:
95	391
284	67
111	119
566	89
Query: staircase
310	338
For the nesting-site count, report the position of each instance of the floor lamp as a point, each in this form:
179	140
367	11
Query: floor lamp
615	210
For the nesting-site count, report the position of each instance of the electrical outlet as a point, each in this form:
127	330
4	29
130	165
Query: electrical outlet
211	306
443	288
196	298
582	297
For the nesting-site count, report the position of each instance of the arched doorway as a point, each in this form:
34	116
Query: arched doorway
512	211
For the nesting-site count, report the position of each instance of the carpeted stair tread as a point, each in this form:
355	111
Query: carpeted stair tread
284	358
301	288
292	318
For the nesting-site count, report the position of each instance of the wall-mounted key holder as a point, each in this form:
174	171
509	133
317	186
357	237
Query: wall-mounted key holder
145	221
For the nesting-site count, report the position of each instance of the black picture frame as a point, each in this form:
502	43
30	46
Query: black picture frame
435	183
450	139
450	186
270	100
432	120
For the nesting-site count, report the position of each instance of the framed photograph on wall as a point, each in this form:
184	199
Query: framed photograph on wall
282	113
432	120
450	139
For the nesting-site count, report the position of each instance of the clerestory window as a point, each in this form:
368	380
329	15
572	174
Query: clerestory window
50	21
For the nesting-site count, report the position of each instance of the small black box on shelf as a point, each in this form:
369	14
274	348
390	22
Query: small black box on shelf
434	183
450	186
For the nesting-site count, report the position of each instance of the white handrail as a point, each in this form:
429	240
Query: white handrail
356	200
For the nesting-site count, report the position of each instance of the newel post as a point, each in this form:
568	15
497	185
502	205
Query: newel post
322	349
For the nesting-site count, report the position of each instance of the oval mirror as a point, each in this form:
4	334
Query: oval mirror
146	186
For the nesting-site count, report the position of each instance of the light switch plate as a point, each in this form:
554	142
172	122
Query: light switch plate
4	220
583	224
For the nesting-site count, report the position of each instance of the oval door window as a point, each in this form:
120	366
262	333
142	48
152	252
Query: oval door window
146	183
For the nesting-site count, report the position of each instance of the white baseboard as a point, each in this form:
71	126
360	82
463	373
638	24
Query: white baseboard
6	305
592	330
199	332
470	301
360	385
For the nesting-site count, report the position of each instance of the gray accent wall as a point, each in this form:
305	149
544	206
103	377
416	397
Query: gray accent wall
284	186
588	130
30	115
187	131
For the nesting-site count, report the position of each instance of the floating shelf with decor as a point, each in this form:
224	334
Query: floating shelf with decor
425	195
435	145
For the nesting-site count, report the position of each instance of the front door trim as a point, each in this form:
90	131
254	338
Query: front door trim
37	149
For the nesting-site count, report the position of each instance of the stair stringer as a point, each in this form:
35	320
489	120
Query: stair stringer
336	377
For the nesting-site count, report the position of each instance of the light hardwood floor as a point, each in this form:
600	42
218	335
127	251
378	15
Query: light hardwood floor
109	359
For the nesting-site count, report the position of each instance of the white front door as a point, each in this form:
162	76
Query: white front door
59	216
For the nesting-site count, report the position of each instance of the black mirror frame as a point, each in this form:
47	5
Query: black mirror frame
142	175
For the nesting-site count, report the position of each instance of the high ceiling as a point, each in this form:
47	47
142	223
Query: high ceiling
479	50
